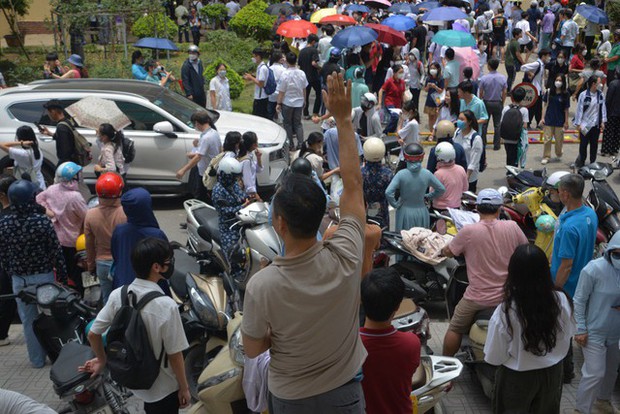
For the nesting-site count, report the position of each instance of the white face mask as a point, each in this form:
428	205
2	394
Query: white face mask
193	58
254	60
584	52
558	84
615	263
433	72
400	75
599	86
560	61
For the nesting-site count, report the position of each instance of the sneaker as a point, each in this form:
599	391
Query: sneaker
544	161
4	342
604	407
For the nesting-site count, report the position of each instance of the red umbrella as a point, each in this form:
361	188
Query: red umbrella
388	35
338	19
296	28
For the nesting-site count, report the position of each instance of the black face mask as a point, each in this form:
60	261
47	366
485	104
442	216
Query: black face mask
168	273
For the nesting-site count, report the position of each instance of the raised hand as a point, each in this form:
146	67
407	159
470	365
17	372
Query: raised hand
337	99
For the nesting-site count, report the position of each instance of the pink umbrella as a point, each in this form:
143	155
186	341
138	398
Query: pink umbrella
466	56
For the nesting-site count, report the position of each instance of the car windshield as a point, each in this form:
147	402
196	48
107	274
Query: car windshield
176	105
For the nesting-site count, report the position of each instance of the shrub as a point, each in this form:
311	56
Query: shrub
145	26
215	12
252	21
227	46
234	79
613	11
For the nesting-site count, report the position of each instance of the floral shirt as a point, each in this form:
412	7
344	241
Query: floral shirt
376	178
29	244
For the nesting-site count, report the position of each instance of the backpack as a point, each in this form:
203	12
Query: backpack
129	150
270	84
131	360
511	125
210	178
483	158
82	155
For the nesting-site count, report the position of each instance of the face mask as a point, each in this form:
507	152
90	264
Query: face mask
547	60
414	166
599	86
560	61
433	72
400	75
558	84
254	60
168	273
615	263
585	52
155	71
222	73
460	124
193	58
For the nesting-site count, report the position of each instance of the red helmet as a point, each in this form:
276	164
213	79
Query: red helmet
109	185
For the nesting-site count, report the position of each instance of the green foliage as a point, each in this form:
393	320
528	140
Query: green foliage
118	68
252	21
12	9
20	71
235	80
227	46
215	12
145	26
613	11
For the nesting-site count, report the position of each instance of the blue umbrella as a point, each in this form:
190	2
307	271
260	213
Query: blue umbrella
428	5
354	36
401	8
454	38
593	14
443	14
399	22
156	43
360	8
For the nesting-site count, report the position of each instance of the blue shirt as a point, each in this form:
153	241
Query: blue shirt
331	146
138	72
493	85
574	239
557	104
476	105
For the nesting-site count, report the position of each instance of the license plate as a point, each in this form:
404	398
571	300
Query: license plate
103	410
89	280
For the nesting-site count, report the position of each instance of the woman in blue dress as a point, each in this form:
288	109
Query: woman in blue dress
412	183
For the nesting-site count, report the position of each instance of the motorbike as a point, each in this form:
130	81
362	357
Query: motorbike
520	180
61	330
602	197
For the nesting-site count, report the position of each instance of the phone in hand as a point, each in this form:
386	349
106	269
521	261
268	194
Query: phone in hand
38	125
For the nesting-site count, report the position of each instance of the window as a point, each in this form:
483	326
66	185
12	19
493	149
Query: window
33	111
142	118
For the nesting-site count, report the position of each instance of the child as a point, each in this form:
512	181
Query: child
393	356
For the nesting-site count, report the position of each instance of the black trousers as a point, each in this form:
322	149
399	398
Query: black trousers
473	186
535	112
512	154
74	273
260	107
511	71
199	191
316	86
590	138
167	405
200	100
415	97
7	307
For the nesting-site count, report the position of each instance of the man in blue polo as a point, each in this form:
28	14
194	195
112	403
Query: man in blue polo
472	102
573	244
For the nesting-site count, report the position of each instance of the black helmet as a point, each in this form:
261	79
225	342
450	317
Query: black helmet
413	152
21	192
301	166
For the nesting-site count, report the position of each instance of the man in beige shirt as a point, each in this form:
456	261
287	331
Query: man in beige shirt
304	306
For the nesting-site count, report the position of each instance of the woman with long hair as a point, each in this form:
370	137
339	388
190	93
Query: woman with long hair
251	162
408	129
529	336
26	155
468	137
555	116
111	157
76	69
449	109
312	150
433	87
219	89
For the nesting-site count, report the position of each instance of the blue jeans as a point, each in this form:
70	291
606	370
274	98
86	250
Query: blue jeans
105	279
28	313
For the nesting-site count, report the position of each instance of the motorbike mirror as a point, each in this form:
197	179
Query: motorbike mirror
205	234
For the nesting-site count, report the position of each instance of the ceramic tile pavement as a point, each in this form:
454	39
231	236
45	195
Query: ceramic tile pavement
466	397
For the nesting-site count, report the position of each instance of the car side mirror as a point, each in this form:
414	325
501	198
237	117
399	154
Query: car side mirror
205	234
165	128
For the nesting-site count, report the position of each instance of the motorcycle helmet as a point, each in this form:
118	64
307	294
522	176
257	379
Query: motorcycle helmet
229	165
21	192
335	52
553	180
67	171
413	153
368	101
445	130
301	166
109	185
374	149
445	152
193	49
545	224
80	243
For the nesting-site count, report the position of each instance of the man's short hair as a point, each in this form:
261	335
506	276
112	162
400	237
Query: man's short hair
573	184
201	117
382	293
301	203
54	104
313	38
52	56
493	63
466	86
543	52
568	13
450	53
329	30
518	94
516	32
291	58
147	252
487	208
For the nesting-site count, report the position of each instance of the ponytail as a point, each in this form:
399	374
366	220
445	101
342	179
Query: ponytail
118	140
26	133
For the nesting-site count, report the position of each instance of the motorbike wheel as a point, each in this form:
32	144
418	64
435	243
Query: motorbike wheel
196	360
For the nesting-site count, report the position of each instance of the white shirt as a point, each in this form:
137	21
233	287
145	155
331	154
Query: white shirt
324	45
533	67
221	87
501	348
587	118
415	71
410	133
209	146
293	83
472	153
163	324
278	69
233	8
25	159
249	168
524	25
262	73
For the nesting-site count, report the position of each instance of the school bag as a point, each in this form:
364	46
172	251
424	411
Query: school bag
483	157
129	150
511	125
270	84
131	360
83	155
210	178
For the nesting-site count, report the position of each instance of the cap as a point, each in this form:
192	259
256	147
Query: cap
53	104
490	196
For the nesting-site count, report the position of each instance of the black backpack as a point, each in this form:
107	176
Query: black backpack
483	157
131	359
129	150
511	125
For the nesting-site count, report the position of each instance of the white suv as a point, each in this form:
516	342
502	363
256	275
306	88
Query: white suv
160	128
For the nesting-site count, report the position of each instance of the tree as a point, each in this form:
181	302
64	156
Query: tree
12	9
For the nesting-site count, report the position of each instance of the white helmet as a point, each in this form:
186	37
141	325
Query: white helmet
229	165
445	152
554	179
445	129
374	149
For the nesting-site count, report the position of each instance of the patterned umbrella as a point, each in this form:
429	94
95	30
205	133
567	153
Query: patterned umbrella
91	112
296	28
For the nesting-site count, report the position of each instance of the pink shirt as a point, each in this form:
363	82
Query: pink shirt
487	247
69	209
454	178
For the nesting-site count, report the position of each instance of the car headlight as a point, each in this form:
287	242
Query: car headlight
281	154
600	174
218	379
235	347
47	294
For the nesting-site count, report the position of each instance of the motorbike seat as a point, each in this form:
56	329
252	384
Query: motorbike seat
183	263
391	144
64	373
208	217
